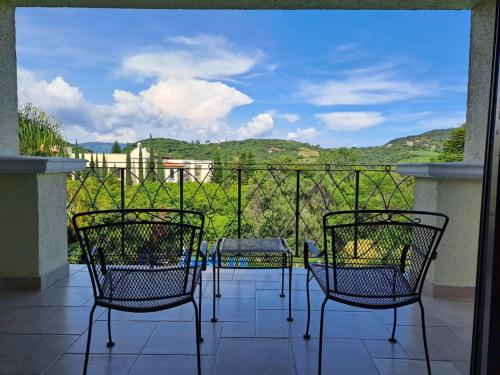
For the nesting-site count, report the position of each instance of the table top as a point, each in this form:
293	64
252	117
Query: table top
257	245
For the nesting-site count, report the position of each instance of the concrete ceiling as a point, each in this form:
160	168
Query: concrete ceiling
254	4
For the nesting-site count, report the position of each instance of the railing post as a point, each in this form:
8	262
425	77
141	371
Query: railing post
181	188
356	208
297	213
122	188
122	206
239	202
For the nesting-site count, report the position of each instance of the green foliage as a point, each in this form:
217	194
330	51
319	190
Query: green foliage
104	166
217	171
268	199
39	134
453	147
77	153
128	172
116	149
141	165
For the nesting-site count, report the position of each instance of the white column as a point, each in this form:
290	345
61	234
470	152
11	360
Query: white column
33	222
453	189
481	54
9	138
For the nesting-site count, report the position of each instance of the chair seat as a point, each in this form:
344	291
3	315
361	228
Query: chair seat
139	288
365	286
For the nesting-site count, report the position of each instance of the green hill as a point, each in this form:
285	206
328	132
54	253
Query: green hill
264	150
415	148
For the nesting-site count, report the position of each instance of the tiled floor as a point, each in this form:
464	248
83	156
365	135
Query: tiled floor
45	332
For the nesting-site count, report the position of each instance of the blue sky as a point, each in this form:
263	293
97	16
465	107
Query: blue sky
334	78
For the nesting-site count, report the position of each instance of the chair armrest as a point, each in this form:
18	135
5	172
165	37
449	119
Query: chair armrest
203	252
309	247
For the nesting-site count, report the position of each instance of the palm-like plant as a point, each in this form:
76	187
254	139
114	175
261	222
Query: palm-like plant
39	134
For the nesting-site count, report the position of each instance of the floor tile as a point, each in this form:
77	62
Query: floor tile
225	274
76	279
413	367
31	354
384	349
254	356
230	309
462	366
99	364
271	300
65	296
354	325
182	313
179	338
238	329
273	323
410	316
340	356
233	289
129	337
58	320
258	275
11	317
172	364
444	345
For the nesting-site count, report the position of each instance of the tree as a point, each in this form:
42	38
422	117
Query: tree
453	147
217	172
161	169
141	165
128	168
77	154
116	149
104	166
151	160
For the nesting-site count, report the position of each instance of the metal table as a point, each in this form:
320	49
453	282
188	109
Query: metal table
252	253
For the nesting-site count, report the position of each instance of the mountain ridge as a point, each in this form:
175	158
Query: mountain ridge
413	148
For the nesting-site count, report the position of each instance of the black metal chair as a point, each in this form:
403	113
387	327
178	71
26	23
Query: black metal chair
143	260
375	259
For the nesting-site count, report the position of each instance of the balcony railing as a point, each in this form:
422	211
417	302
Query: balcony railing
282	200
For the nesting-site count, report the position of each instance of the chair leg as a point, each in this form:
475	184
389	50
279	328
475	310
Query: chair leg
290	319
307	335
214	319
422	315
89	338
394	322
197	327
218	278
110	342
282	295
200	295
320	357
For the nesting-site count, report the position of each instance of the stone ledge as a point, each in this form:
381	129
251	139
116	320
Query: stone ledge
462	170
37	165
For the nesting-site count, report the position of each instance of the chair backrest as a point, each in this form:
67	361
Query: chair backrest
380	253
160	246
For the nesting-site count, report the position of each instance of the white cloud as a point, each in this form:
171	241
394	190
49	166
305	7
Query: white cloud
51	95
303	133
260	126
351	121
289	117
203	57
377	85
184	109
194	100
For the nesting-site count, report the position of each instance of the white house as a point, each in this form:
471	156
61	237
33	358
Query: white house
193	170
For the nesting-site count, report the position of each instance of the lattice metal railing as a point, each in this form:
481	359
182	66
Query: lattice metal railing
250	201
